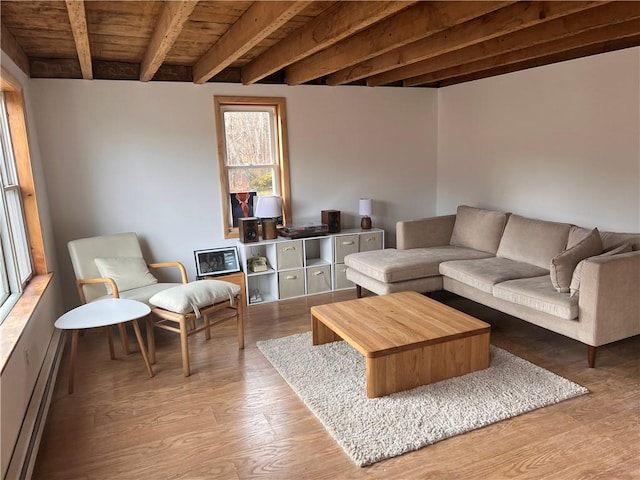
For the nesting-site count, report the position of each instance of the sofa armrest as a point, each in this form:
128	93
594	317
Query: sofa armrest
424	232
609	303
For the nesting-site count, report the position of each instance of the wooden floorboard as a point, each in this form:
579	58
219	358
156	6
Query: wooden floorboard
236	418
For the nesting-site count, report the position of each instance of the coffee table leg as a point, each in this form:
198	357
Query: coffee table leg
321	333
72	358
143	350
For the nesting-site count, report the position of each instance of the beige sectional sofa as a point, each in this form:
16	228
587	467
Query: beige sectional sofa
575	281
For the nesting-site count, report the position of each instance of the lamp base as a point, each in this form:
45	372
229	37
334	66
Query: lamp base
365	223
269	230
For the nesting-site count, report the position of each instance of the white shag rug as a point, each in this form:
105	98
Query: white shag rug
330	379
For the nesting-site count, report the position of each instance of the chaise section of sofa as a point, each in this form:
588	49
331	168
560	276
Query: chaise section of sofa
575	281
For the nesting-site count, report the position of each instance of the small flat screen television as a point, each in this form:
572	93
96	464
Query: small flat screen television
216	261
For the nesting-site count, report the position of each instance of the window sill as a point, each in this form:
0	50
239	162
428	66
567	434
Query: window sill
14	324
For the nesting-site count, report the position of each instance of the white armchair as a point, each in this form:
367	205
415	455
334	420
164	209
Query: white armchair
113	266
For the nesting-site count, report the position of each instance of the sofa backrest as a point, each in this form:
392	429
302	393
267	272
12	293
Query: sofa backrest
478	229
610	240
533	241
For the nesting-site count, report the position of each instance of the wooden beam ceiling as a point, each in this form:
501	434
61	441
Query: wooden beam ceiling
547	31
494	24
11	47
260	20
337	23
419	21
405	43
586	39
169	25
78	20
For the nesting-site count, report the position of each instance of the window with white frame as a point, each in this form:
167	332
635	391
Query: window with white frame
252	155
15	259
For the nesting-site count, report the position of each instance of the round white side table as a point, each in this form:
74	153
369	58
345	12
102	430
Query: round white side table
104	313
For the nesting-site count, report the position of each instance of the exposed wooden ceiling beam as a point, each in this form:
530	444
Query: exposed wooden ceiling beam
608	46
612	13
11	47
337	23
259	21
78	20
503	21
174	14
596	36
411	24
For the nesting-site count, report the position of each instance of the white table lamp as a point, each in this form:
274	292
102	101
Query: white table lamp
268	208
364	208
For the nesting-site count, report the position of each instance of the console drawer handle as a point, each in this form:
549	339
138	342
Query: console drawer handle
371	239
292	277
289	249
348	243
318	273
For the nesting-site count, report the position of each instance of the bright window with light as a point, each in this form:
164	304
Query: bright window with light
252	155
15	259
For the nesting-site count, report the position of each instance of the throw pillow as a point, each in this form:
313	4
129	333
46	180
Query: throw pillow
574	287
562	265
127	272
192	296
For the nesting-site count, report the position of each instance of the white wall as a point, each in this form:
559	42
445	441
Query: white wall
560	142
131	156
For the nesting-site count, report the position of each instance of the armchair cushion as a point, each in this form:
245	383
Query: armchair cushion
192	296
127	272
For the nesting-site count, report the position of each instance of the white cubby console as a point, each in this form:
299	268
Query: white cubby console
304	266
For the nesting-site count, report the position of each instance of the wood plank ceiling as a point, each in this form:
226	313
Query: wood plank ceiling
402	43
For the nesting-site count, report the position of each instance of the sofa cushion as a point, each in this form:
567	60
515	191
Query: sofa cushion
391	265
562	265
484	273
127	272
576	277
190	297
478	229
538	293
532	241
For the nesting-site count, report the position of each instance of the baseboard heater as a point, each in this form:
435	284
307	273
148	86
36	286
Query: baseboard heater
26	449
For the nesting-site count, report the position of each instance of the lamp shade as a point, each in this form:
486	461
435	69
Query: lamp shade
364	207
269	206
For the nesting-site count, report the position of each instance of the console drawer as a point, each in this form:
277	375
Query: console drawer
370	241
318	279
291	283
289	254
345	244
340	277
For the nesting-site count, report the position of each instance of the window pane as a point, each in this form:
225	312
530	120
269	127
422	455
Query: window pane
5	288
252	180
18	234
248	138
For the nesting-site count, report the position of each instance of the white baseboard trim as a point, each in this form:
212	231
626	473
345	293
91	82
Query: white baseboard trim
26	448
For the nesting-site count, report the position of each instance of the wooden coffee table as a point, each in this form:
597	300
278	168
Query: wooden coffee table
407	339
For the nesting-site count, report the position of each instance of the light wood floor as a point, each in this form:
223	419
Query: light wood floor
236	418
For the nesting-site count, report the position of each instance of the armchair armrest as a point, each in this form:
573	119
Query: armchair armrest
91	281
608	302
424	232
180	266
